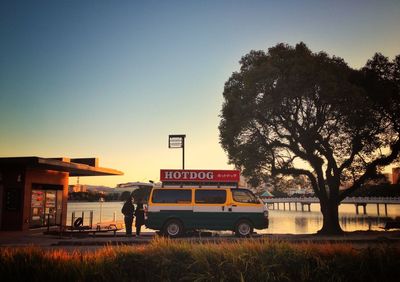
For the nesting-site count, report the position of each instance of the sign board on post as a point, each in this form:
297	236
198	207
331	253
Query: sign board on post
195	175
176	141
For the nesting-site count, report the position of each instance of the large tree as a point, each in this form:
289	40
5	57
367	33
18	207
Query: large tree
290	111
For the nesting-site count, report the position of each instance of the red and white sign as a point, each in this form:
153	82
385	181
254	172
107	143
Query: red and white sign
194	175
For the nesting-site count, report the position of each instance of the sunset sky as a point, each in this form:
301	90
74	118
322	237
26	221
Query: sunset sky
111	79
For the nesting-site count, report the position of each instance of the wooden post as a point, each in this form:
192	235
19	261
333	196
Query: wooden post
72	218
91	220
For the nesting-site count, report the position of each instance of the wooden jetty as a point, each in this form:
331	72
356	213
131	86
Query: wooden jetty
305	203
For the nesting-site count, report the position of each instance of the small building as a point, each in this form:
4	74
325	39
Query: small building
300	192
77	188
396	175
266	195
34	190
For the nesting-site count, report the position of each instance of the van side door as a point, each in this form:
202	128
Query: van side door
210	210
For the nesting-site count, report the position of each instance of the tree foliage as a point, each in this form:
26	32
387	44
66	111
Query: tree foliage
294	112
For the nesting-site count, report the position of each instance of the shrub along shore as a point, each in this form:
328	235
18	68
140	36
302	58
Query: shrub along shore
169	260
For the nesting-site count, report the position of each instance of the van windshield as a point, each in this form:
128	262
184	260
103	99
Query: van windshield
244	196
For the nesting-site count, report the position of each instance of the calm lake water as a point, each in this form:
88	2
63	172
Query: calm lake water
281	222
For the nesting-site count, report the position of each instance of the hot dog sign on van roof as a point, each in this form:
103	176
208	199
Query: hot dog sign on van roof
195	175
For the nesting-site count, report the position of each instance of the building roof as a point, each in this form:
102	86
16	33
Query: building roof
267	194
75	167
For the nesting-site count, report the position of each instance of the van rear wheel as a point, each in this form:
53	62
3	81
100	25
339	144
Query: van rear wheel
244	228
173	228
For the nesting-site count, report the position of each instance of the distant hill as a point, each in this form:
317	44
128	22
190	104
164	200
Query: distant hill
95	188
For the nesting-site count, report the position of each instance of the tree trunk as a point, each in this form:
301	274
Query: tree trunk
330	212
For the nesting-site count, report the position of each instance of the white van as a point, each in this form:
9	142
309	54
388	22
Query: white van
176	210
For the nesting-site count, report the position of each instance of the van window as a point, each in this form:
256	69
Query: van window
210	196
244	196
172	196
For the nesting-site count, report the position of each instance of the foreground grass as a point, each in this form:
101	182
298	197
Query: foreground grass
169	260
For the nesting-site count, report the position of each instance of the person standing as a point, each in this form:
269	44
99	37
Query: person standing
128	210
139	213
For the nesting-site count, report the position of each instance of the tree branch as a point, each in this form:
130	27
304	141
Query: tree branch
355	150
297	172
371	168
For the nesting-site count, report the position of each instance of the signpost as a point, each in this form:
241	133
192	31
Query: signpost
177	141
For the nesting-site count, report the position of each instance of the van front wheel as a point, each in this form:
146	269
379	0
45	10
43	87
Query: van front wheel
173	228
244	228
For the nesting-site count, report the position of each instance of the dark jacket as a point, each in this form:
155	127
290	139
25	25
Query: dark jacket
128	209
139	213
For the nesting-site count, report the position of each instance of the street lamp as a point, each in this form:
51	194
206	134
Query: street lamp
177	141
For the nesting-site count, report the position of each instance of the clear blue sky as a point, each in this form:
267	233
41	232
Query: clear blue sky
111	79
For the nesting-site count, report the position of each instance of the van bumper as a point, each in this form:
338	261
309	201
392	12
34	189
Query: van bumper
266	222
262	224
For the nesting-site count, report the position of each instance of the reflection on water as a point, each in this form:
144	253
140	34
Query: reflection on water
311	222
281	222
105	209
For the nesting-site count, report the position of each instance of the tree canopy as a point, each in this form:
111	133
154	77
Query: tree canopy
290	111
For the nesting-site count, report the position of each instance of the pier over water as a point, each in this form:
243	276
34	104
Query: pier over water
304	203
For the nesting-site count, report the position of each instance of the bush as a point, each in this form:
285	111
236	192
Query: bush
173	260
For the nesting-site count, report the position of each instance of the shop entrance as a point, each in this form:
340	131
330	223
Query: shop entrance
46	205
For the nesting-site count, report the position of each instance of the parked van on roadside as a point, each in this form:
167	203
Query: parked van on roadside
175	211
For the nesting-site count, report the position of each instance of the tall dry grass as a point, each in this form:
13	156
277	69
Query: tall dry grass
171	260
